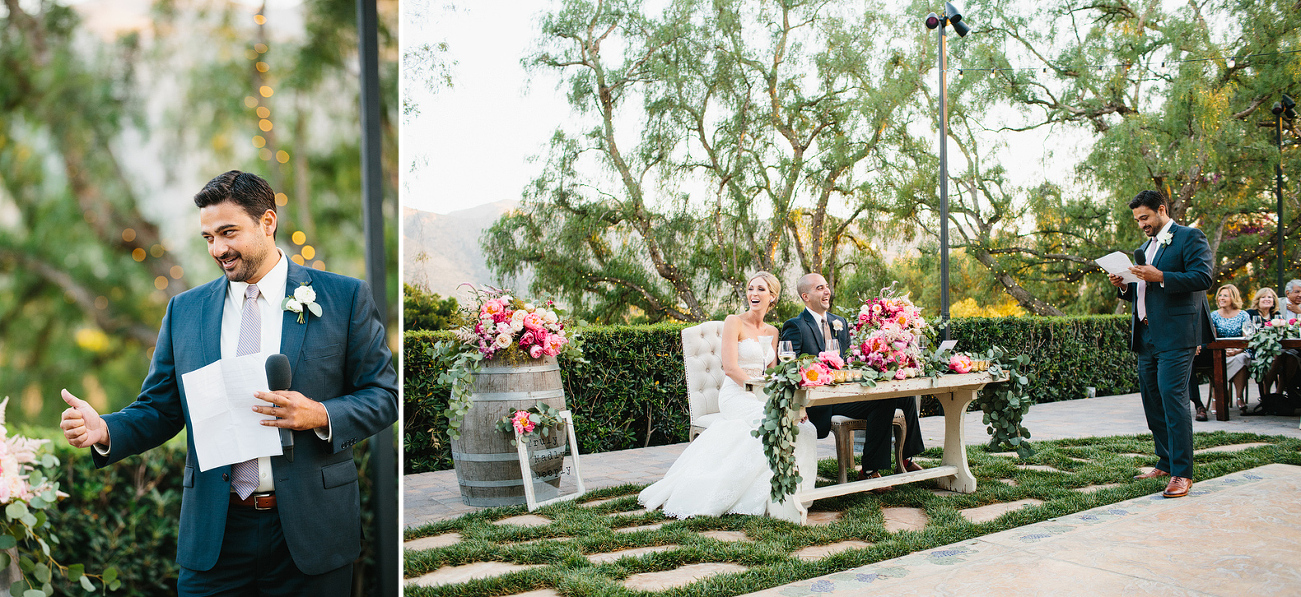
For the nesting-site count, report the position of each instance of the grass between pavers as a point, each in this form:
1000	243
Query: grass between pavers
578	530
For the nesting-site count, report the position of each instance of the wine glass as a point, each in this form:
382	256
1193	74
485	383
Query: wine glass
1248	328
785	351
833	345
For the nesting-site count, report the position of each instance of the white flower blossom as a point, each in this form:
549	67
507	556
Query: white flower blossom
502	341
293	305
305	294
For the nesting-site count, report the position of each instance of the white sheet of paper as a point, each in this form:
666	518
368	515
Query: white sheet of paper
220	398
1118	263
948	345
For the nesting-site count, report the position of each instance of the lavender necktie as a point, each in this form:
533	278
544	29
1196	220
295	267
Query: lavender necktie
250	342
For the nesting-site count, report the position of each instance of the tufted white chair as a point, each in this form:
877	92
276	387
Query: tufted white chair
702	355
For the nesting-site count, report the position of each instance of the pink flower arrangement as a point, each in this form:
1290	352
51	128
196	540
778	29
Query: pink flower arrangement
960	363
502	322
886	335
816	374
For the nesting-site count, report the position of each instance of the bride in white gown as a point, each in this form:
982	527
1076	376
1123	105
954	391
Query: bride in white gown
724	470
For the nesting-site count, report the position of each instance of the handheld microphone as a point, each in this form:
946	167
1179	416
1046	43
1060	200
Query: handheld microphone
279	377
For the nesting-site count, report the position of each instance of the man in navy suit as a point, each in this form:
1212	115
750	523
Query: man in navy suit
1174	269
807	334
276	525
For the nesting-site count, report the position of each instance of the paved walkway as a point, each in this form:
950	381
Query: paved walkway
1144	546
429	497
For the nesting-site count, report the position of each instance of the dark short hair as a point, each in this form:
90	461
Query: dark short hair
1152	200
244	189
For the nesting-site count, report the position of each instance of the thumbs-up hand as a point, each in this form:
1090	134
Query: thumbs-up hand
81	425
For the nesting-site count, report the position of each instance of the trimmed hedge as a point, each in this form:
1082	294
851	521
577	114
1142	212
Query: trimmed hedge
632	393
127	515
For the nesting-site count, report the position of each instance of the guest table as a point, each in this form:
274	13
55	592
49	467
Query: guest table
954	392
1219	385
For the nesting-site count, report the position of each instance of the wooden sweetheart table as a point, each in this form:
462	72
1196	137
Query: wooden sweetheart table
955	392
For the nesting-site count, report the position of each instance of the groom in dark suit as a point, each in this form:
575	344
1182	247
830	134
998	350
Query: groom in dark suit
276	525
1174	269
807	333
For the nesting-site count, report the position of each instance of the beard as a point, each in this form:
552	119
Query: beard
246	266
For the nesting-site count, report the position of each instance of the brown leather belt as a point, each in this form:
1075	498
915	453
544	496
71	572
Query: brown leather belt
256	501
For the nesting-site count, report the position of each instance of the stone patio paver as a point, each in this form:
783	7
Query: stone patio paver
538	593
434	542
628	513
726	535
817	552
610	556
987	513
1011	482
1231	448
645	527
1041	467
526	520
904	519
678	577
450	575
821	518
1094	488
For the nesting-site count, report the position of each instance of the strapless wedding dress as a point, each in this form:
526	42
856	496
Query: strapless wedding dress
724	471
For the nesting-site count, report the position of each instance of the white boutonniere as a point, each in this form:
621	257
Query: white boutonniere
303	301
1165	237
837	325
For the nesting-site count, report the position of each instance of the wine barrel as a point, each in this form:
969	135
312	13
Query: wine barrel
487	465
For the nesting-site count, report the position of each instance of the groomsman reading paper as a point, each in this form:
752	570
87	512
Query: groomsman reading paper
1174	272
807	333
279	525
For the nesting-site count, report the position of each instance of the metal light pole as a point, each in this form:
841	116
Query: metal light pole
383	452
1283	109
951	17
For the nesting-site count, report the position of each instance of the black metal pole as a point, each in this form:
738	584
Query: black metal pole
1278	188
383	455
944	177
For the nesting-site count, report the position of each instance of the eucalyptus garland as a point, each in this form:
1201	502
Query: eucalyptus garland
1005	405
1266	344
461	377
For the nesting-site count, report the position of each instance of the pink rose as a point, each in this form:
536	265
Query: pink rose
832	359
527	339
535	351
899	374
960	363
521	422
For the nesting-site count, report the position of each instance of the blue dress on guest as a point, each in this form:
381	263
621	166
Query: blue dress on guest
1231	327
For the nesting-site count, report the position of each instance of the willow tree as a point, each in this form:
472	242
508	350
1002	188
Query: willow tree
1172	99
86	267
720	138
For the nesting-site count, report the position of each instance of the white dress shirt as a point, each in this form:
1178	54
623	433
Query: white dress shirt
271	292
817	323
1150	253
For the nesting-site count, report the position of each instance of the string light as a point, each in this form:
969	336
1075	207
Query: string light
1164	65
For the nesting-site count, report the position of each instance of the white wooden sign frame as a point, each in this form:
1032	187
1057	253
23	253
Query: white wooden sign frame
526	469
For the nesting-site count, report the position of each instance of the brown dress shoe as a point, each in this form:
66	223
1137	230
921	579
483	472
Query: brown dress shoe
1201	414
910	466
863	475
1178	487
1156	472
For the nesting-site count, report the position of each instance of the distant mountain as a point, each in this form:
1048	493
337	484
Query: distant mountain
442	251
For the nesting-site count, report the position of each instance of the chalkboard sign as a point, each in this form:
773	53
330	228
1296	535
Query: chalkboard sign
537	463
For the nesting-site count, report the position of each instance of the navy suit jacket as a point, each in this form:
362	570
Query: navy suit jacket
341	359
805	337
1176	315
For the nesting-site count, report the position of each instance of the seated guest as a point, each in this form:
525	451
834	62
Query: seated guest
1228	320
1292	307
1264	305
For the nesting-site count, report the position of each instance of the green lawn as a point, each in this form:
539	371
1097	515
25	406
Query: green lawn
577	530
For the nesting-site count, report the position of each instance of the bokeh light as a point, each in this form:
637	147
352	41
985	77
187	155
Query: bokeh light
298	237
